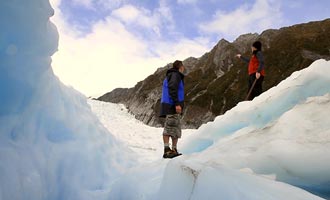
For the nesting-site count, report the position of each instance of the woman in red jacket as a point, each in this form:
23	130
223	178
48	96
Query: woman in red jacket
256	69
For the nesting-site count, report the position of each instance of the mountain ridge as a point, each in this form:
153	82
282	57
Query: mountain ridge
217	81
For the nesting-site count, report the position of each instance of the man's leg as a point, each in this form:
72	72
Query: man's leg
172	129
177	134
166	139
174	143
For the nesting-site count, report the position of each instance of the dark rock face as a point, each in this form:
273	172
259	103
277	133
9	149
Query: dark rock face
217	81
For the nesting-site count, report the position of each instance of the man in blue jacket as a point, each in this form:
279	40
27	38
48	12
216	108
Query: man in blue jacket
172	104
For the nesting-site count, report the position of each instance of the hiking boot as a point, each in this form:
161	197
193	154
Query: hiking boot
167	151
176	151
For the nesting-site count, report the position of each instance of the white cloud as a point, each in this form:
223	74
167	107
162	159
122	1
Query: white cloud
155	20
262	15
165	13
187	1
55	3
127	13
111	56
95	4
110	4
86	3
132	15
108	56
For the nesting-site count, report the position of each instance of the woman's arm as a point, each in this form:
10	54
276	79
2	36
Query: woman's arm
243	58
260	58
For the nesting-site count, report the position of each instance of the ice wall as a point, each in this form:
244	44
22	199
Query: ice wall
284	133
190	179
265	109
51	145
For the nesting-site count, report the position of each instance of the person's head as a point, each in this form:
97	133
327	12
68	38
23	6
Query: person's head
256	46
178	65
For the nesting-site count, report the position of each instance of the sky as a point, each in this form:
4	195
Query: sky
106	44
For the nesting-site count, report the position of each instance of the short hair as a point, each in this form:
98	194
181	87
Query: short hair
177	64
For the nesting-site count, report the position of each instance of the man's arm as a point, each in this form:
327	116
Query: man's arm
173	87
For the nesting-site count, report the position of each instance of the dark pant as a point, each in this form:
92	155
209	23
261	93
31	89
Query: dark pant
257	89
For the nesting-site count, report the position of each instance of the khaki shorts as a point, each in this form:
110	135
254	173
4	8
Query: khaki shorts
173	126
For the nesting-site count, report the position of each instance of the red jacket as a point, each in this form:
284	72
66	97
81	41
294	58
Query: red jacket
254	65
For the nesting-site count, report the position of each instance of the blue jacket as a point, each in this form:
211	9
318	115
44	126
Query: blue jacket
172	92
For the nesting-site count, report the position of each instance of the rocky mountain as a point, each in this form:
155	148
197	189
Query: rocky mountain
217	81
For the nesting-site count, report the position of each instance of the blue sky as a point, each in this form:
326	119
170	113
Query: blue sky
147	34
188	15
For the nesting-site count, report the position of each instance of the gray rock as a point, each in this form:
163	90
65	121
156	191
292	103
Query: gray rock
217	81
